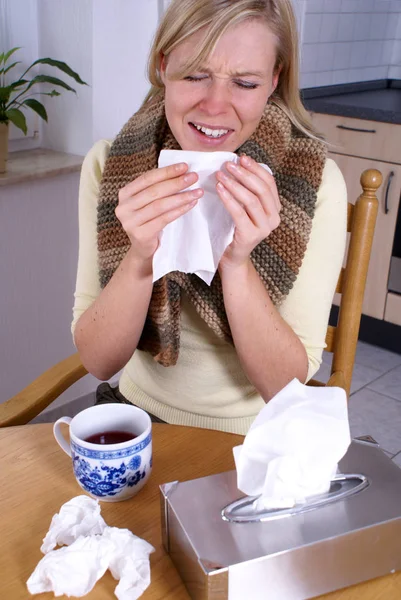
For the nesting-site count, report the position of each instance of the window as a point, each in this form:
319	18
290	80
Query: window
19	27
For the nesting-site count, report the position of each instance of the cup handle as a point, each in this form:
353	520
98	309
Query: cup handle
60	439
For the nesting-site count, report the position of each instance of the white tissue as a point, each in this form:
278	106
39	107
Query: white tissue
92	548
72	570
79	516
196	241
129	562
292	449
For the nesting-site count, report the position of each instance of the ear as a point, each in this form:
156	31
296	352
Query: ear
276	77
163	66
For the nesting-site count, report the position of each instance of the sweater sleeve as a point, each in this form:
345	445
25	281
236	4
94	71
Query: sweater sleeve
87	284
307	307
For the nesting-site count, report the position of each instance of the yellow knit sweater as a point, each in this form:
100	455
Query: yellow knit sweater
207	387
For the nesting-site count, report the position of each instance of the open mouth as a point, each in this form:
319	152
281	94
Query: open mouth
214	134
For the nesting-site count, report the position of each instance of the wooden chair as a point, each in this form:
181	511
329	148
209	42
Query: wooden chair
341	340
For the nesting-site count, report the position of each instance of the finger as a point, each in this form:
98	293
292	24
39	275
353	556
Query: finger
238	213
252	166
161	190
155	226
254	183
248	199
160	207
151	178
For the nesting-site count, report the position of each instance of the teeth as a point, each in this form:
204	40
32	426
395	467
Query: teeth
215	133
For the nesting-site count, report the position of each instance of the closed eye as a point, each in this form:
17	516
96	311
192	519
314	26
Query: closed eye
246	85
195	77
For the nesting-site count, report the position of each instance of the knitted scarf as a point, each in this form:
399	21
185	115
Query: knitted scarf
297	163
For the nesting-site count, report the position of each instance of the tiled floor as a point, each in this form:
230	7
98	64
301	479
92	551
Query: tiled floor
375	401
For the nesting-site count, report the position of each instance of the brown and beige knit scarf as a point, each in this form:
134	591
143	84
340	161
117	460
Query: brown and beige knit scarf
297	163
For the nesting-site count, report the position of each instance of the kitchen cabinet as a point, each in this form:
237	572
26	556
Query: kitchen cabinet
356	145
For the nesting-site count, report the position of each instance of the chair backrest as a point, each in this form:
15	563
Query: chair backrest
342	339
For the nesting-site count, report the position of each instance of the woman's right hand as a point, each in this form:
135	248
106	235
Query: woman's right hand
155	199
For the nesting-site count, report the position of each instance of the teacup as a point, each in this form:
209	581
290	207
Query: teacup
109	471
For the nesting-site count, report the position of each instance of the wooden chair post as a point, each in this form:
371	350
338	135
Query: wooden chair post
362	230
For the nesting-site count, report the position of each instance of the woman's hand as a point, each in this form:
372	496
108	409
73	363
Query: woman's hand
250	195
155	199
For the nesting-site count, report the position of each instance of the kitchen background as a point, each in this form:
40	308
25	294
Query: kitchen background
342	41
346	41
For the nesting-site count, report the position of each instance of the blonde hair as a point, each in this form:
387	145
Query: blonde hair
183	18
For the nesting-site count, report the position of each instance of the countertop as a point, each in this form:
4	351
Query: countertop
372	100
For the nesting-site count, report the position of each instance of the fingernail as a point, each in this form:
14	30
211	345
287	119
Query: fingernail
223	176
234	167
189	177
180	166
246	160
196	193
220	187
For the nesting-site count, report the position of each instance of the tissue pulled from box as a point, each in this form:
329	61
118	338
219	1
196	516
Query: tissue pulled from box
91	548
293	447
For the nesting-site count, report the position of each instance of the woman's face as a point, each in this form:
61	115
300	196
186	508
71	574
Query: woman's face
219	107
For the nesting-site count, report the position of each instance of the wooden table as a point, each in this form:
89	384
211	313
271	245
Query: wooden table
36	479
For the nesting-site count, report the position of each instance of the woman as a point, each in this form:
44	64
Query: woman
224	76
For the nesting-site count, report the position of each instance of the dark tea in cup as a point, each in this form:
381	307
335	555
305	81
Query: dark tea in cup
110	437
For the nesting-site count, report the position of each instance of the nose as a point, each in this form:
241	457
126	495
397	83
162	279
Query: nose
216	98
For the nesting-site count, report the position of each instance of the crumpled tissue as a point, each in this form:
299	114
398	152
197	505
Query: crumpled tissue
92	548
79	516
293	447
196	241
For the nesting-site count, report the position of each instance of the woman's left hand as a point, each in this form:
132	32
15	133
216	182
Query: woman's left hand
250	195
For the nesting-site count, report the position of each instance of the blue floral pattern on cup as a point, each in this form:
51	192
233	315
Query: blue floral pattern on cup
105	480
111	454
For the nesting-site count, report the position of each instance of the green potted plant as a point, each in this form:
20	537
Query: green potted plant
17	95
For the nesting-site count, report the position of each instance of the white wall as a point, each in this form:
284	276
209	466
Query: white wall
350	40
107	43
38	249
65	33
122	35
19	27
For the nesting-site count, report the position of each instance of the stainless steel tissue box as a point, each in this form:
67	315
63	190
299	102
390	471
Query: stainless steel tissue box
347	536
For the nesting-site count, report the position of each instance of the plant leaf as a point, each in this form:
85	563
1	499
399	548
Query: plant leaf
16	84
18	118
37	107
52	93
5	93
49	79
1	57
59	65
4	71
7	55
